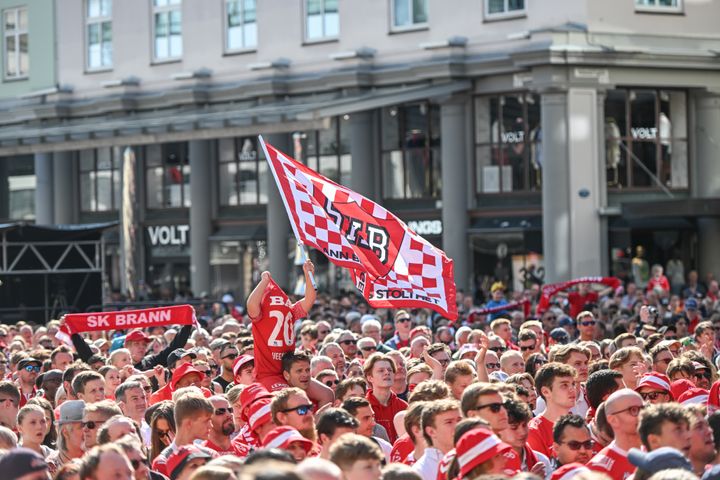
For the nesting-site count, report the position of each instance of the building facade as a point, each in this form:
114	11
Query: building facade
531	140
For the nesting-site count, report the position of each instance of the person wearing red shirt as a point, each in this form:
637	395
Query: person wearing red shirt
222	428
410	446
557	384
658	281
521	458
380	375
28	370
583	296
402	331
622	409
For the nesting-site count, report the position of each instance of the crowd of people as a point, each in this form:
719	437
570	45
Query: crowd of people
606	383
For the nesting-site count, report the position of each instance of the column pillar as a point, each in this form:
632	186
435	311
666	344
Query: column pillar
708	178
201	167
4	189
572	187
44	211
278	225
454	192
63	187
362	151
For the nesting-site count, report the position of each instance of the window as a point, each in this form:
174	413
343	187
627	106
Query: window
167	29
326	151
17	188
508	153
243	172
646	138
322	20
410	142
504	8
408	14
99	33
658	5
241	33
15	33
100	180
167	175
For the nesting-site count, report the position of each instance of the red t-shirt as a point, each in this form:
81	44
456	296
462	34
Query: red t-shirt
384	415
209	444
402	447
661	282
540	436
273	330
514	462
612	461
445	465
577	302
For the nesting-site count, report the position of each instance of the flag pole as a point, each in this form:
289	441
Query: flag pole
287	207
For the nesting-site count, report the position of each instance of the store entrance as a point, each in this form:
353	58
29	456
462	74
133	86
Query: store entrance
169	279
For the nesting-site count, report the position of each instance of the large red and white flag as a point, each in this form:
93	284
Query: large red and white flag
393	266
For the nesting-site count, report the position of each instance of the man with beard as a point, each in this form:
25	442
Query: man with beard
227	355
223	426
572	442
333	351
28	370
291	407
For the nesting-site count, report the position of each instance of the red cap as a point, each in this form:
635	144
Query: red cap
177	460
694	396
182	371
282	437
421	330
569	471
679	386
240	362
655	380
259	413
251	393
477	447
137	336
714	397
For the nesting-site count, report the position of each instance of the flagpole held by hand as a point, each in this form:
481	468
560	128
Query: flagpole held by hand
304	255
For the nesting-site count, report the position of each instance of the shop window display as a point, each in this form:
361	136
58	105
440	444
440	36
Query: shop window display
243	172
167	175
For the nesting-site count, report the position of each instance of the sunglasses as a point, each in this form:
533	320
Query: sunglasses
575	445
652	395
527	348
91	425
368	349
706	375
633	411
498	349
137	463
163	433
223	411
32	368
349	342
540	361
492	366
301	410
206	372
232	356
493	407
323	332
588	324
330	383
402	320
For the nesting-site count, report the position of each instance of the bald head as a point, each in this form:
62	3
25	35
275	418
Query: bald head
621	399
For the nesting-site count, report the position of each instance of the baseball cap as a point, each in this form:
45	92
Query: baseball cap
71	411
477	447
240	362
18	462
252	393
177	461
282	437
660	459
182	371
560	335
565	321
50	375
28	361
177	354
691	304
259	413
655	380
693	396
137	336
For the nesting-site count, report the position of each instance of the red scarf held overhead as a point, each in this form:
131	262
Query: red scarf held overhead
128	319
548	291
524	304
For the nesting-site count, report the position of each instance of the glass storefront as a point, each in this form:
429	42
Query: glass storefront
167	175
508	136
17	188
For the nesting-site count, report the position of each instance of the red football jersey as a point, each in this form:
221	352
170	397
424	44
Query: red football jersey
540	437
273	330
612	461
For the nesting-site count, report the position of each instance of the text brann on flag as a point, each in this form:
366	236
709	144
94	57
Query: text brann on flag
392	265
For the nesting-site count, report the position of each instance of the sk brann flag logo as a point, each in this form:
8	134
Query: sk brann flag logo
392	265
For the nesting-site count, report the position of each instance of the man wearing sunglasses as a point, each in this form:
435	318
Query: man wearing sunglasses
484	400
348	343
572	442
223	425
28	370
402	331
227	355
367	347
291	407
586	326
622	409
94	415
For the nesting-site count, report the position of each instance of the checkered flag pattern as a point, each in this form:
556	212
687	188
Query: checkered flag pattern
392	265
